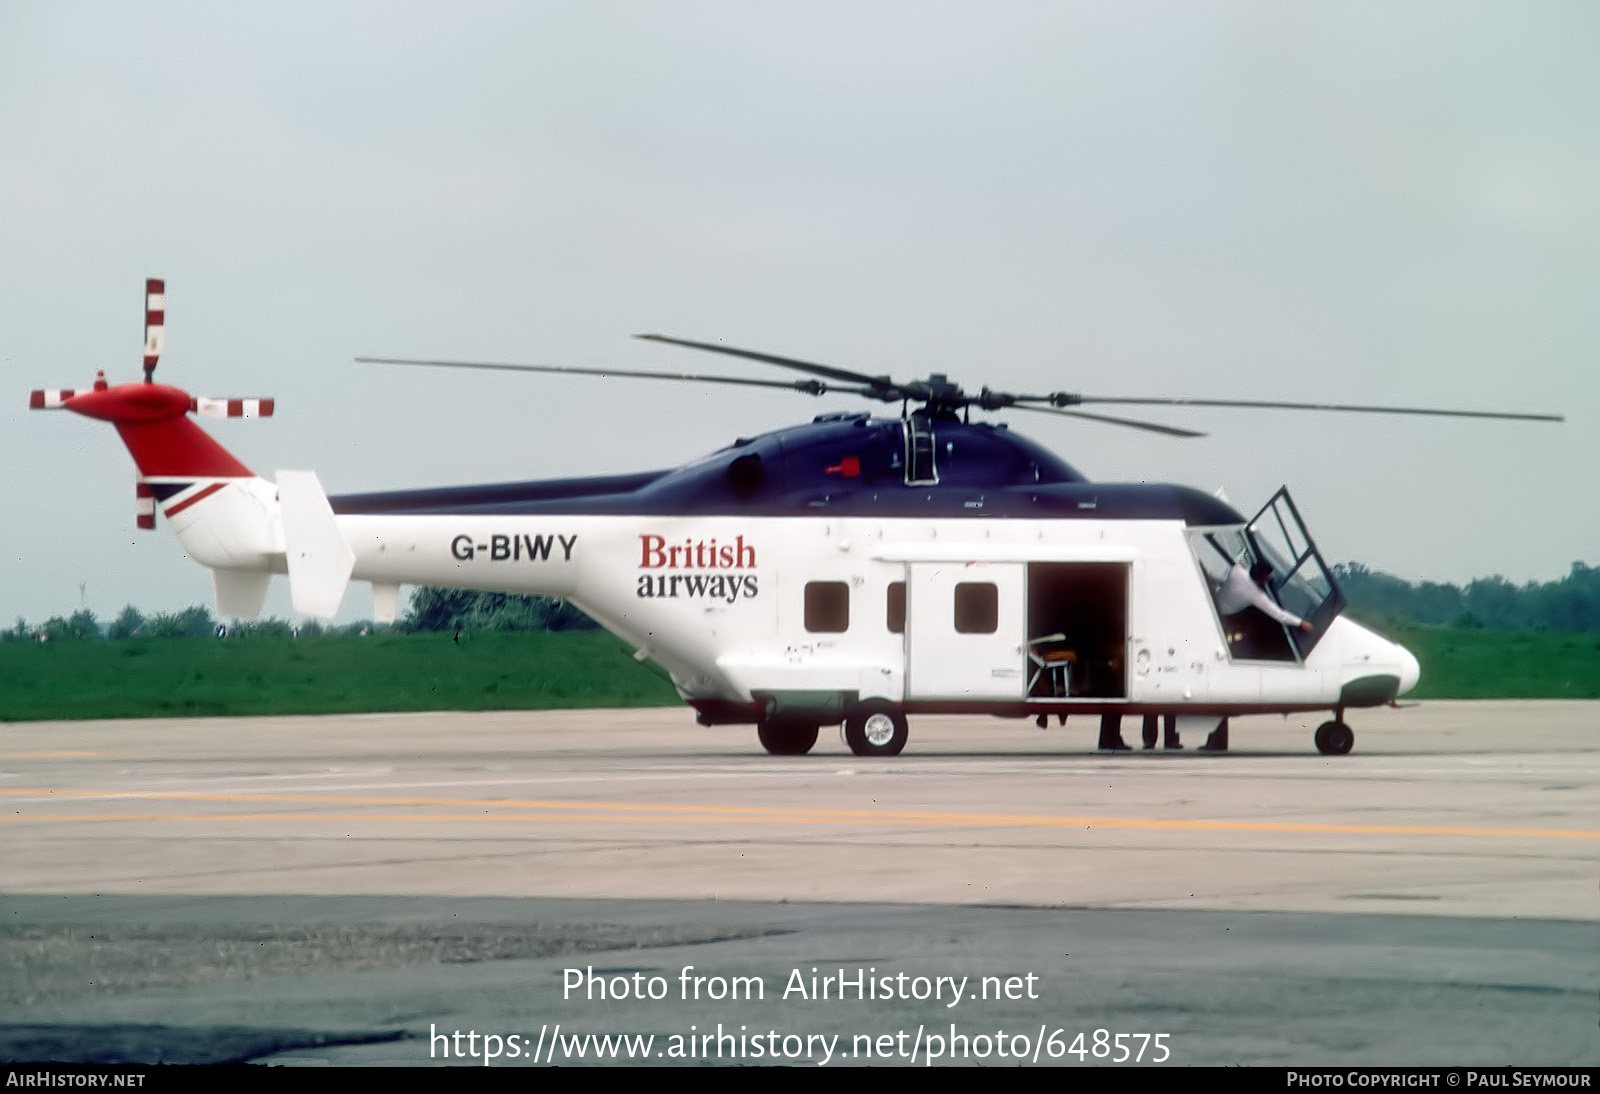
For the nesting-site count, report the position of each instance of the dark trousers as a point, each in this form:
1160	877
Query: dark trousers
1169	724
1218	741
1111	731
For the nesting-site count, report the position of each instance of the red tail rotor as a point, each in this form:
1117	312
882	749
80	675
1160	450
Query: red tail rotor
152	420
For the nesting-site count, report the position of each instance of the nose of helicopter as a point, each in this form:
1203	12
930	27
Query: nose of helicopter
1410	670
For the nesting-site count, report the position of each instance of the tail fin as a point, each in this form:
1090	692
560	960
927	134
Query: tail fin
318	558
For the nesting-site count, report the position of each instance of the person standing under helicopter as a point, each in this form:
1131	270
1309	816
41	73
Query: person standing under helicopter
1153	722
1111	734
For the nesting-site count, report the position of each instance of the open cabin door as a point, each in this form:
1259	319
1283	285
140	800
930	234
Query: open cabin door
1301	581
1078	630
964	631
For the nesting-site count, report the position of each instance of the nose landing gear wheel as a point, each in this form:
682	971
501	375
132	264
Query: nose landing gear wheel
1334	738
875	728
787	738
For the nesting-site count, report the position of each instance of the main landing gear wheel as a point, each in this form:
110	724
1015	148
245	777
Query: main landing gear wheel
875	728
787	738
1334	738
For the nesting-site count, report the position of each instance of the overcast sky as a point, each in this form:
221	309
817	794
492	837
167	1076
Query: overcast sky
1382	202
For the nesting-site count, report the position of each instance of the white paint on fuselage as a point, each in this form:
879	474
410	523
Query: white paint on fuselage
729	624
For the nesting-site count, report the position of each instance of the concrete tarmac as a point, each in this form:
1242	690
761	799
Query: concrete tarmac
337	889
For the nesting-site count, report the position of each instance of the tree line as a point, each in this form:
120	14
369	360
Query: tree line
192	622
431	609
436	609
1571	604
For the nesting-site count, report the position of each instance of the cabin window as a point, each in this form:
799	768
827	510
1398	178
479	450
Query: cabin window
827	607
977	607
896	618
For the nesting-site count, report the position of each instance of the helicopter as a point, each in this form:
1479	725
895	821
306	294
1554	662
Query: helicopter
853	570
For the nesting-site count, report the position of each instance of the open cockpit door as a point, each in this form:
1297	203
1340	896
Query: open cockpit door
1300	583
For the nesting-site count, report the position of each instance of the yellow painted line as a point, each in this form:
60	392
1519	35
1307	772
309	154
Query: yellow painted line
360	818
504	809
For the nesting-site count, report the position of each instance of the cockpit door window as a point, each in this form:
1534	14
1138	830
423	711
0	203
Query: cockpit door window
1300	584
1301	581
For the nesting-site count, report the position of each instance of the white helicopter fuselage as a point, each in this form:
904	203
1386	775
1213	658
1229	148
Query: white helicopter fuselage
812	614
851	570
721	603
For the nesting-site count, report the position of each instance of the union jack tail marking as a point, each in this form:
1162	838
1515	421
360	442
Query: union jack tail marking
174	495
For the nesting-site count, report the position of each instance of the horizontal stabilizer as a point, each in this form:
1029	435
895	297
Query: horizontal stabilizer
240	593
319	560
54	398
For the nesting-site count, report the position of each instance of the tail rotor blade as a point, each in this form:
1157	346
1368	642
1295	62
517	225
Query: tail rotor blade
232	408
54	398
144	505
155	323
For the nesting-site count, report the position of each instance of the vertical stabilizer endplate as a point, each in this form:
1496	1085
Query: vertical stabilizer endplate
240	593
319	559
385	601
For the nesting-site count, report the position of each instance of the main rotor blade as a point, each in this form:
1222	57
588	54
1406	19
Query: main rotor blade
877	382
1076	400
805	387
1171	431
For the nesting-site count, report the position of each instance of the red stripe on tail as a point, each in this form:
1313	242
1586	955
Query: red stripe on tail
174	510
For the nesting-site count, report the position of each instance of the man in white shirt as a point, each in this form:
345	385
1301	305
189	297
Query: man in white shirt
1241	590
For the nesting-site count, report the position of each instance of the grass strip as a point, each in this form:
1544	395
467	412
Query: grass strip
173	677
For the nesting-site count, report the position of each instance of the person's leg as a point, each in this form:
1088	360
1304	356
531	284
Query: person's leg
1218	741
1111	733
